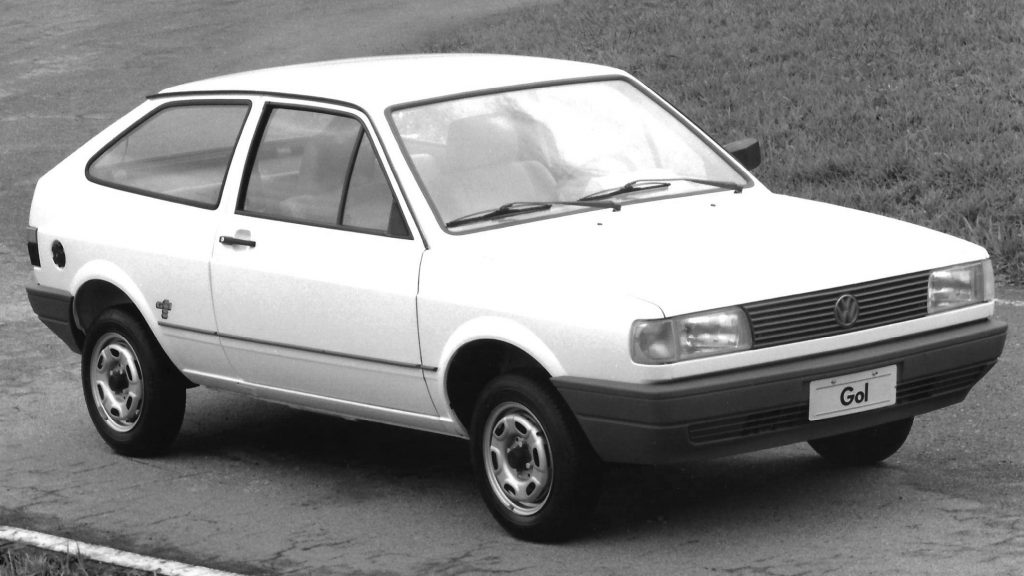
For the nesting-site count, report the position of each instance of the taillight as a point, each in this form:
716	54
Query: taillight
32	237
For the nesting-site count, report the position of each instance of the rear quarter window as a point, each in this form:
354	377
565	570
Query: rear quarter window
179	152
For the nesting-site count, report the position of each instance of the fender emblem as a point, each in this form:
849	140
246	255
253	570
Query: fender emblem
164	307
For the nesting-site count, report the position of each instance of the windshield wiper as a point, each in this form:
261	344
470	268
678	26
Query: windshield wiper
644	185
523	208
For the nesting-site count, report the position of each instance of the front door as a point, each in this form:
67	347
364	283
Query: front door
315	274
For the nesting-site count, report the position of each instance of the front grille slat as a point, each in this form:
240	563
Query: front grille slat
881	300
798	325
807	316
894	306
894	289
898	316
791	317
908	293
771	307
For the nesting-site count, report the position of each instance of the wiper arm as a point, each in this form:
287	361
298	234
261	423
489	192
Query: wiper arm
634	186
644	185
523	208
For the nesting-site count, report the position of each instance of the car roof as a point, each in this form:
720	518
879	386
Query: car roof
383	81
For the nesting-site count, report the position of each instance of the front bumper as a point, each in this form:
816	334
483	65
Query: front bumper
767	405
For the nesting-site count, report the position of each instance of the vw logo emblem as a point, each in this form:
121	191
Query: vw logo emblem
847	309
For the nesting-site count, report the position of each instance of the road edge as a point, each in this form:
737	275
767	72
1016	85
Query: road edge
105	554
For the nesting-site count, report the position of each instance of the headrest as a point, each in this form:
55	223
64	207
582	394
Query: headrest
480	141
426	166
325	158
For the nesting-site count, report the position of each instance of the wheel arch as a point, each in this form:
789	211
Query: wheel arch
484	349
95	296
102	286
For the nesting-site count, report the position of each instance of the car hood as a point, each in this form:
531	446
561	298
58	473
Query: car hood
704	252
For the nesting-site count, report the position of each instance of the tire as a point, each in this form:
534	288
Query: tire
863	447
534	467
134	394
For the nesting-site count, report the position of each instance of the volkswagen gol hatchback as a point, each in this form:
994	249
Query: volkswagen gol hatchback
541	256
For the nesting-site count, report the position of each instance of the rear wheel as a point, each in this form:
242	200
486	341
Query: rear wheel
134	394
535	469
866	446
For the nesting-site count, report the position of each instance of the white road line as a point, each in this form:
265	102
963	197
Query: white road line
106	555
1015	303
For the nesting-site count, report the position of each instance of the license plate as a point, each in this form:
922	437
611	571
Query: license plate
852	393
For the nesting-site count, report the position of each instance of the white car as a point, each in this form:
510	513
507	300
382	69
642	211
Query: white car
541	256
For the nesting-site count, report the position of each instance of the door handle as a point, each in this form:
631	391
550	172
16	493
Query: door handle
232	241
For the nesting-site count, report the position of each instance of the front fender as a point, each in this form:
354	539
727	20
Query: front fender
503	330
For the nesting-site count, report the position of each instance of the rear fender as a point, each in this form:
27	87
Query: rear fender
106	271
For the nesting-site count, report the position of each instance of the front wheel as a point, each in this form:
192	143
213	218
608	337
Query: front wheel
134	394
863	447
534	467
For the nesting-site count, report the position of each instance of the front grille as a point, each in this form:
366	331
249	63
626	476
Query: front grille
812	315
779	418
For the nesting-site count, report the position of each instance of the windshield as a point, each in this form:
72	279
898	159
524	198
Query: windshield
552	144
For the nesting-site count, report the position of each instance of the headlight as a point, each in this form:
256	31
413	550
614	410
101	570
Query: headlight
693	335
959	286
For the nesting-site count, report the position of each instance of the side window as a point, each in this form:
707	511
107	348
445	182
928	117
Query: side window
368	203
180	152
319	168
301	166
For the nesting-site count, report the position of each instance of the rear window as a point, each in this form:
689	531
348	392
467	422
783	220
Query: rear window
179	152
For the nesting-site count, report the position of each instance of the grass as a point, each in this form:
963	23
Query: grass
911	109
21	560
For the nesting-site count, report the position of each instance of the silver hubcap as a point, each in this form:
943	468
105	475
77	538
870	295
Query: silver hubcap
517	458
116	382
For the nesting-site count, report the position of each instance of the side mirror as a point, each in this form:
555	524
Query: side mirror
746	151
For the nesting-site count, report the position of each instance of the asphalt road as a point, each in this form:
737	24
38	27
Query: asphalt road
257	488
